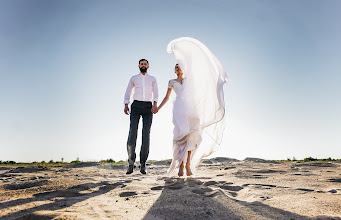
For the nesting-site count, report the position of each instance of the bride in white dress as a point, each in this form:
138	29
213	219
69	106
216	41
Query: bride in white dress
199	108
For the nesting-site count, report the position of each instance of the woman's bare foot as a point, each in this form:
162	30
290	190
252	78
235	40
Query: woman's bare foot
188	170
181	170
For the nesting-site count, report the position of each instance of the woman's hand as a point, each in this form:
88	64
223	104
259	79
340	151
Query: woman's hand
155	109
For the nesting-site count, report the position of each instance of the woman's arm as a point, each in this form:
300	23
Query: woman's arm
169	90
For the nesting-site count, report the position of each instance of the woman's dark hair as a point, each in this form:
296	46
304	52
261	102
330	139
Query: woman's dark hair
143	60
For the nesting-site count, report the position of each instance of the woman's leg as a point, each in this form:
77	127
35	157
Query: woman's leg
188	164
181	169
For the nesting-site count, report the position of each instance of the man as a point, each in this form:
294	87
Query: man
145	92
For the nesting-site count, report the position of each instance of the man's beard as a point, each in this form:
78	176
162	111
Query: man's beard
143	69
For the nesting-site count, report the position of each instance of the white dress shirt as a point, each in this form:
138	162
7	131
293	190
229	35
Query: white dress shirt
145	88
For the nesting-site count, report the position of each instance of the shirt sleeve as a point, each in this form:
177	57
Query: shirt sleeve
170	84
128	91
155	91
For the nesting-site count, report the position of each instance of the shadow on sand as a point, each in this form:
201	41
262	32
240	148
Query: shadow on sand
62	199
193	199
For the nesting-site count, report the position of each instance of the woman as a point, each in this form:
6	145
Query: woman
199	108
179	118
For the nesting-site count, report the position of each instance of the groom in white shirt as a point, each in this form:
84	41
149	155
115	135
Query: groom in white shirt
145	104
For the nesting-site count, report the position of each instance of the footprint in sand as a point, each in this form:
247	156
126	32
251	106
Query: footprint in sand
335	180
333	191
174	183
258	176
305	190
228	168
203	178
265	185
174	186
209	183
157	188
125	180
26	185
231	188
127	194
224	182
201	190
224	185
246	175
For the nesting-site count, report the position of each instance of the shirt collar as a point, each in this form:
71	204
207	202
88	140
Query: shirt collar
145	74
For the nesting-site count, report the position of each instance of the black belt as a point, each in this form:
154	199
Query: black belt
142	101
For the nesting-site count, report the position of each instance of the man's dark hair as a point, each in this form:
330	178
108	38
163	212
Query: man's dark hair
143	60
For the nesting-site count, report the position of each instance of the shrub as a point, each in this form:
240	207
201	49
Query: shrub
107	161
76	161
7	162
309	159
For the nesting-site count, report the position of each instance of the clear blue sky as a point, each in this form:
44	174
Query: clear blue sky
65	65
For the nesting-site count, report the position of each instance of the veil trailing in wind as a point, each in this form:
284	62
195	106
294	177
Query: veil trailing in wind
203	101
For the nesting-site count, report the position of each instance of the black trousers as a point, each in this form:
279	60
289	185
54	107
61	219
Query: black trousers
139	109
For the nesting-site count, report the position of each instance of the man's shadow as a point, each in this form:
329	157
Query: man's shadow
66	198
194	199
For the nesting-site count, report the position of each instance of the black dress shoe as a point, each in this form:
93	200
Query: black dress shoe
143	168
130	169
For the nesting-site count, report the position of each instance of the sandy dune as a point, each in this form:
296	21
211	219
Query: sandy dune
222	188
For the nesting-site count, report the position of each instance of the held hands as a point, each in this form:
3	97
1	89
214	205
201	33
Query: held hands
155	109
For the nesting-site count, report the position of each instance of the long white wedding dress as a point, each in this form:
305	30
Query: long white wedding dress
199	108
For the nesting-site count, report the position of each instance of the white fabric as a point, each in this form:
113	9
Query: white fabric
171	83
199	108
145	88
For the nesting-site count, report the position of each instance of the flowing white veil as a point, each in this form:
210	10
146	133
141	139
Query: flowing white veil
204	77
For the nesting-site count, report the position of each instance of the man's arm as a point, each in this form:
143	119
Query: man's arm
127	96
155	96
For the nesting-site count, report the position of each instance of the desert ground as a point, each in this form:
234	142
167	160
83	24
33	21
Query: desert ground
222	188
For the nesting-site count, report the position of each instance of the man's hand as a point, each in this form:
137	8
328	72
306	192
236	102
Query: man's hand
154	109
126	109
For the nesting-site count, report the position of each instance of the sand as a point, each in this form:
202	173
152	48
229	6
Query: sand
222	188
